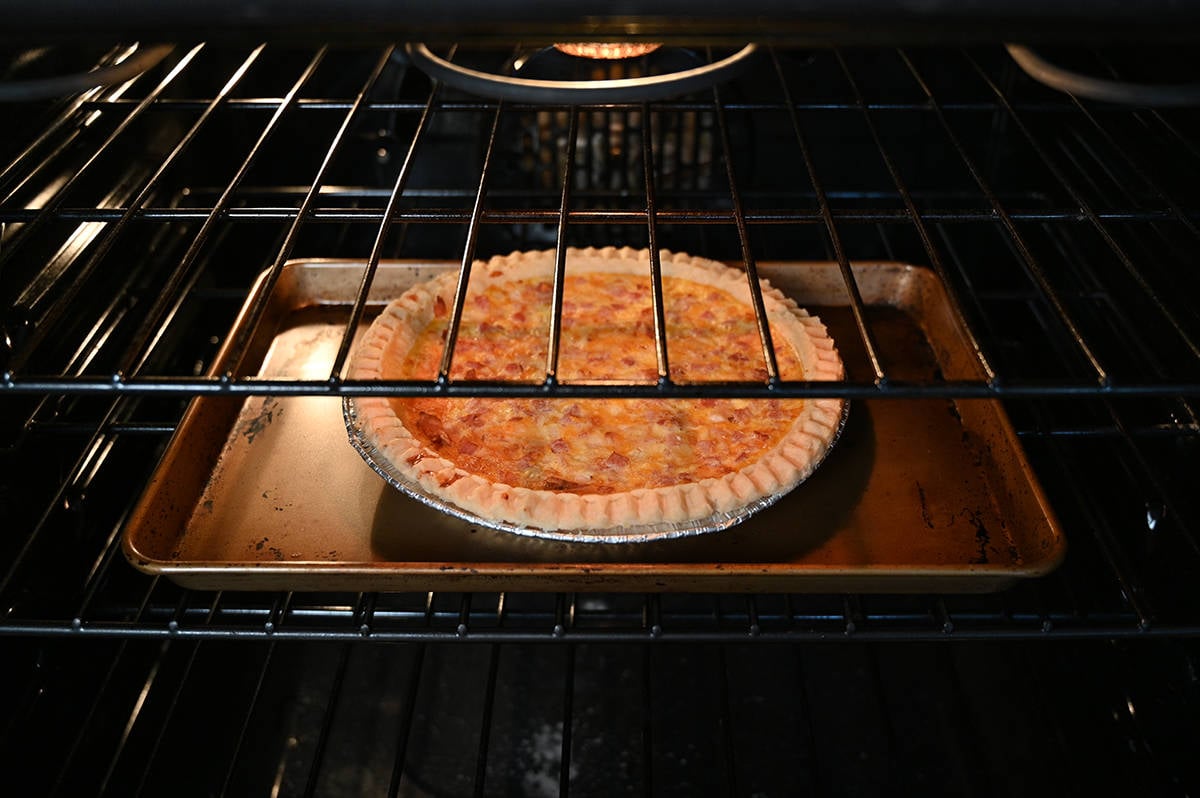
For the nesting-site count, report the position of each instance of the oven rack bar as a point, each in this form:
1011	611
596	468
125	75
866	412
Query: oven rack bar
1166	430
117	385
1036	631
682	104
368	216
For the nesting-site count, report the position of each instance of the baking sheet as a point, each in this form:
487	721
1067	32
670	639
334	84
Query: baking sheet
929	495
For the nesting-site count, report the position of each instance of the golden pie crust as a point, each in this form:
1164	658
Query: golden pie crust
578	465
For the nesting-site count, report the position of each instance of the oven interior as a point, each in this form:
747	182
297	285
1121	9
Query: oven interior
136	218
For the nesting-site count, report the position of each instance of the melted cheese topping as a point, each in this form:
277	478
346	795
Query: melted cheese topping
598	445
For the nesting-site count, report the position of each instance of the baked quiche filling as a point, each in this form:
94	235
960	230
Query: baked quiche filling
597	445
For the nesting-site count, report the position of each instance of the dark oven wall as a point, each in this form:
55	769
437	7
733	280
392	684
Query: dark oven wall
1007	270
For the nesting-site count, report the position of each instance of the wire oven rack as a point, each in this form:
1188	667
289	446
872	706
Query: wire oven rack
135	218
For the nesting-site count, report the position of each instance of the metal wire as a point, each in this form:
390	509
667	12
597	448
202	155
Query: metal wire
661	354
405	732
46	213
560	254
918	219
835	240
1031	264
647	728
464	274
485	725
364	289
592	216
568	700
146	336
247	716
743	231
327	719
241	341
180	683
1060	178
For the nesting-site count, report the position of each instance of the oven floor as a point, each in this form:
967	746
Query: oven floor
205	718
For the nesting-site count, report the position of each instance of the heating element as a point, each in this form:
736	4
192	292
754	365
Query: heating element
137	217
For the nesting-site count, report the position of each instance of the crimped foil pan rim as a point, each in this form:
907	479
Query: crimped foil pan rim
640	533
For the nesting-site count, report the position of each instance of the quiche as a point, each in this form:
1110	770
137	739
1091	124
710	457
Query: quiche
612	468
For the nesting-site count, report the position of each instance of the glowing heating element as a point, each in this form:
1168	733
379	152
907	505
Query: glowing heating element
610	51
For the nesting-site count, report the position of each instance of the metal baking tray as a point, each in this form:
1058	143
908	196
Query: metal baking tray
919	495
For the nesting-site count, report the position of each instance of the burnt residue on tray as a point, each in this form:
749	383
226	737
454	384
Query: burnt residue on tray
925	516
250	428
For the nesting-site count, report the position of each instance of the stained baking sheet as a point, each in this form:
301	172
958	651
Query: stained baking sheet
919	494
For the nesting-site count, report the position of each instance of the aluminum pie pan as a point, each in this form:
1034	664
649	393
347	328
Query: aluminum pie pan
632	534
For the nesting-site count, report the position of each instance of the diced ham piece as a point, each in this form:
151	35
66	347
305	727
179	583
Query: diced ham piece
616	460
431	427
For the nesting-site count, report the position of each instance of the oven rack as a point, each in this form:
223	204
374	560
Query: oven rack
1128	290
1086	243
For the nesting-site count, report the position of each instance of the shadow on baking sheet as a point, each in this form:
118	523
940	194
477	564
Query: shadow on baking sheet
405	530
